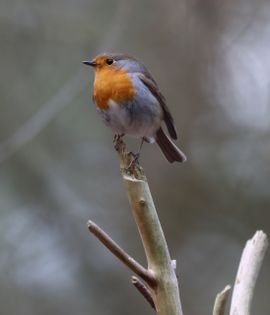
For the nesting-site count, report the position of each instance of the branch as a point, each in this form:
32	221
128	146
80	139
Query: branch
221	300
121	254
247	274
166	294
142	288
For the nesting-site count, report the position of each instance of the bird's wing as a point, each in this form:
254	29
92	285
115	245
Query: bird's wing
150	83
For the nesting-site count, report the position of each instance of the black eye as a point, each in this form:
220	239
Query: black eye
109	61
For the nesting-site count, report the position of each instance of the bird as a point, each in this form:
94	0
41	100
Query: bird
129	101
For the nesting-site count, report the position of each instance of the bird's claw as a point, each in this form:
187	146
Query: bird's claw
134	161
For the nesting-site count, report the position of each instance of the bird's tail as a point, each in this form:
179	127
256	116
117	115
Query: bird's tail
169	149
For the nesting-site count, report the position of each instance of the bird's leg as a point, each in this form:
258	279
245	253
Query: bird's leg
117	140
135	156
118	137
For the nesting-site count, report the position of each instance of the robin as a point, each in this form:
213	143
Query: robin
130	103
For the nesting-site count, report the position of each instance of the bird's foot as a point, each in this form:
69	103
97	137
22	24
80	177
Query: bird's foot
134	161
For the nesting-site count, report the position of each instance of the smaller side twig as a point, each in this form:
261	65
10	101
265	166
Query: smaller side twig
221	300
142	288
115	249
248	271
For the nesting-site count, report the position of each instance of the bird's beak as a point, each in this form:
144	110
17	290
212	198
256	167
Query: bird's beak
90	63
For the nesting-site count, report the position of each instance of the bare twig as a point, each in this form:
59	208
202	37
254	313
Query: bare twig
221	300
121	254
166	294
142	288
247	274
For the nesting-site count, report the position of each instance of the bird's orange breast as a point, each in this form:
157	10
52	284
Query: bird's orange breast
112	83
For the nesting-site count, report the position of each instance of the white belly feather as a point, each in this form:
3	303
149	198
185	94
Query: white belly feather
131	122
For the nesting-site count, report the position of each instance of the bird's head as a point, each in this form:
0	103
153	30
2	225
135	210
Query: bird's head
114	61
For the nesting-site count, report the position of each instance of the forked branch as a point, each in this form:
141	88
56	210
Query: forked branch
161	288
166	293
114	248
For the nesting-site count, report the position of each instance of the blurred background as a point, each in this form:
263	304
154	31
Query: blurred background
58	167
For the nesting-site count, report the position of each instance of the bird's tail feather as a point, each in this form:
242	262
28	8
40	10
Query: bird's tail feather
169	149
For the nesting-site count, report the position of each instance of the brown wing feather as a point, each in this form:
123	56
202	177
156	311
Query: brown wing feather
152	86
